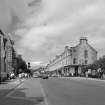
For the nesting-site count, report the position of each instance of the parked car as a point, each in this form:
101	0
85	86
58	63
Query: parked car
36	75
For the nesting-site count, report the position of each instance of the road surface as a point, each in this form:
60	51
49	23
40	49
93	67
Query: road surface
66	91
54	91
28	92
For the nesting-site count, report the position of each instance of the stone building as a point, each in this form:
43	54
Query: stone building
6	54
14	61
9	54
2	56
73	59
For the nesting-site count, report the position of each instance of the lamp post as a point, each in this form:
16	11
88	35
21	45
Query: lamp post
29	65
29	70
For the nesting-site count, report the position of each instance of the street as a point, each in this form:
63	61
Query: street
52	52
53	91
68	91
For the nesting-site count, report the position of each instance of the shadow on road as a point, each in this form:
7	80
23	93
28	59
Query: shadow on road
7	81
19	98
3	83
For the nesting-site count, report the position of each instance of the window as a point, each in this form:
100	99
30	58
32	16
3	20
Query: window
86	54
74	61
86	61
74	50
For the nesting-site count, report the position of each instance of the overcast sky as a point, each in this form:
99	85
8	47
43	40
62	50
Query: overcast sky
41	28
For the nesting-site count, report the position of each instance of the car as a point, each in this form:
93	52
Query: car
35	76
44	76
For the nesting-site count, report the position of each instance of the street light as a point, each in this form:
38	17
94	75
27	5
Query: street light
29	65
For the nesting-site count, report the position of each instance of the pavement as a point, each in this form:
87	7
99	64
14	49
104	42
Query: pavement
29	92
83	78
9	85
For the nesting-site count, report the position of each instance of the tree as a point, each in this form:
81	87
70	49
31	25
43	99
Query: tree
21	64
100	63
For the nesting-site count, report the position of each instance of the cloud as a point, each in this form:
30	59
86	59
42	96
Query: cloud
61	22
9	10
42	28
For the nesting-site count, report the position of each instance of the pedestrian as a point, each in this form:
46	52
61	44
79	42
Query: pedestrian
20	76
86	74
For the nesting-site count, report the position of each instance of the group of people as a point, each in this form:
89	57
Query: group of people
11	75
24	75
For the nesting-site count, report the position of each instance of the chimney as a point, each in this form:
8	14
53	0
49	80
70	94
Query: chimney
83	40
57	56
66	47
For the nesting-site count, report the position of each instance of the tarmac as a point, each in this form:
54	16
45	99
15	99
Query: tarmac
9	85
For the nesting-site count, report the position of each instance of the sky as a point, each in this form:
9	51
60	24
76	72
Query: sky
42	28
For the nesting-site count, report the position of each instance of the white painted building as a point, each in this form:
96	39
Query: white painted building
73	58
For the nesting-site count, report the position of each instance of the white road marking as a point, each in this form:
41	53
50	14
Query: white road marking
17	97
44	95
16	82
9	94
20	98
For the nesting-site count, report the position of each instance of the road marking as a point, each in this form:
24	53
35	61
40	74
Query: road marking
10	93
15	82
44	95
20	98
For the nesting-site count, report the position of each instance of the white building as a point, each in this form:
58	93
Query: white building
72	59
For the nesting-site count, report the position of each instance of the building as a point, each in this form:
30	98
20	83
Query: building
6	55
3	72
9	54
14	61
73	59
